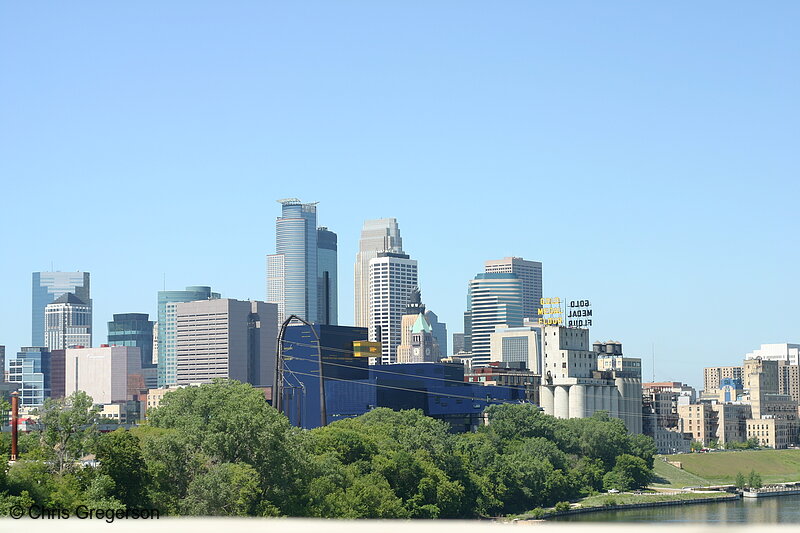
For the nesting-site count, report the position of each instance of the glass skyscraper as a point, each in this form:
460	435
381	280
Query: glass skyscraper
292	270
493	299
133	329
327	277
31	370
529	274
167	325
49	286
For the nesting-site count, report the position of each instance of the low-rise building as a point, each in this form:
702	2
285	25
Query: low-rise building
154	397
700	420
507	375
771	432
108	374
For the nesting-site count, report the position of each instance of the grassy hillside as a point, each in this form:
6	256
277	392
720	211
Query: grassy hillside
721	467
673	477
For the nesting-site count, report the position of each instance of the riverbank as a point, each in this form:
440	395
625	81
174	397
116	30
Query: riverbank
614	502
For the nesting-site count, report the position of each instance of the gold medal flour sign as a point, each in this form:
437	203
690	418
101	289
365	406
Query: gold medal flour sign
550	312
579	314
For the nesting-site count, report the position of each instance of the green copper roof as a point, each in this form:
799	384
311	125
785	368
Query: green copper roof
421	325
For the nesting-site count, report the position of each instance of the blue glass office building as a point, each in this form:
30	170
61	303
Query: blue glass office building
348	390
493	299
352	387
133	329
292	269
439	390
167	349
31	371
46	288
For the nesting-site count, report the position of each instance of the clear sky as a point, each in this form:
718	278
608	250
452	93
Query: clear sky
647	153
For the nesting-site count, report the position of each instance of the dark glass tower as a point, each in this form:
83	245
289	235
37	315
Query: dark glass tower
133	329
327	277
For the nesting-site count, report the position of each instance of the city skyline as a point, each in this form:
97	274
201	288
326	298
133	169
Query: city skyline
646	156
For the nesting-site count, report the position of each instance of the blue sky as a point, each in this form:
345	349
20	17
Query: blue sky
646	153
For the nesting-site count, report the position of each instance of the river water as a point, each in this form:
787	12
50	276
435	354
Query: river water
775	510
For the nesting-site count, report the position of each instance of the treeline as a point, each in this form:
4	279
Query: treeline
220	449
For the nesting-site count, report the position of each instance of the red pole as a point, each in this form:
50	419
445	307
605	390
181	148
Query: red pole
14	423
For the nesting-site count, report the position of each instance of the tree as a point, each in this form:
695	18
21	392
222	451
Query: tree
634	468
696	446
172	463
120	457
69	427
510	421
740	481
643	447
226	489
231	422
601	437
754	480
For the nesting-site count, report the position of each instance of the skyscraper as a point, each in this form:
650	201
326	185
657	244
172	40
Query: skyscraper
327	277
47	287
529	273
458	343
380	235
392	276
67	323
135	329
493	299
292	269
167	300
439	331
226	338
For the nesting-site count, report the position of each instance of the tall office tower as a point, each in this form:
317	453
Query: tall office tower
108	374
67	323
529	273
392	277
166	328
439	331
327	277
136	329
458	343
31	371
2	364
226	338
493	299
47	287
380	235
292	269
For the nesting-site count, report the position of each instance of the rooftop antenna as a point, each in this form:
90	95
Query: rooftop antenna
165	280
653	352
